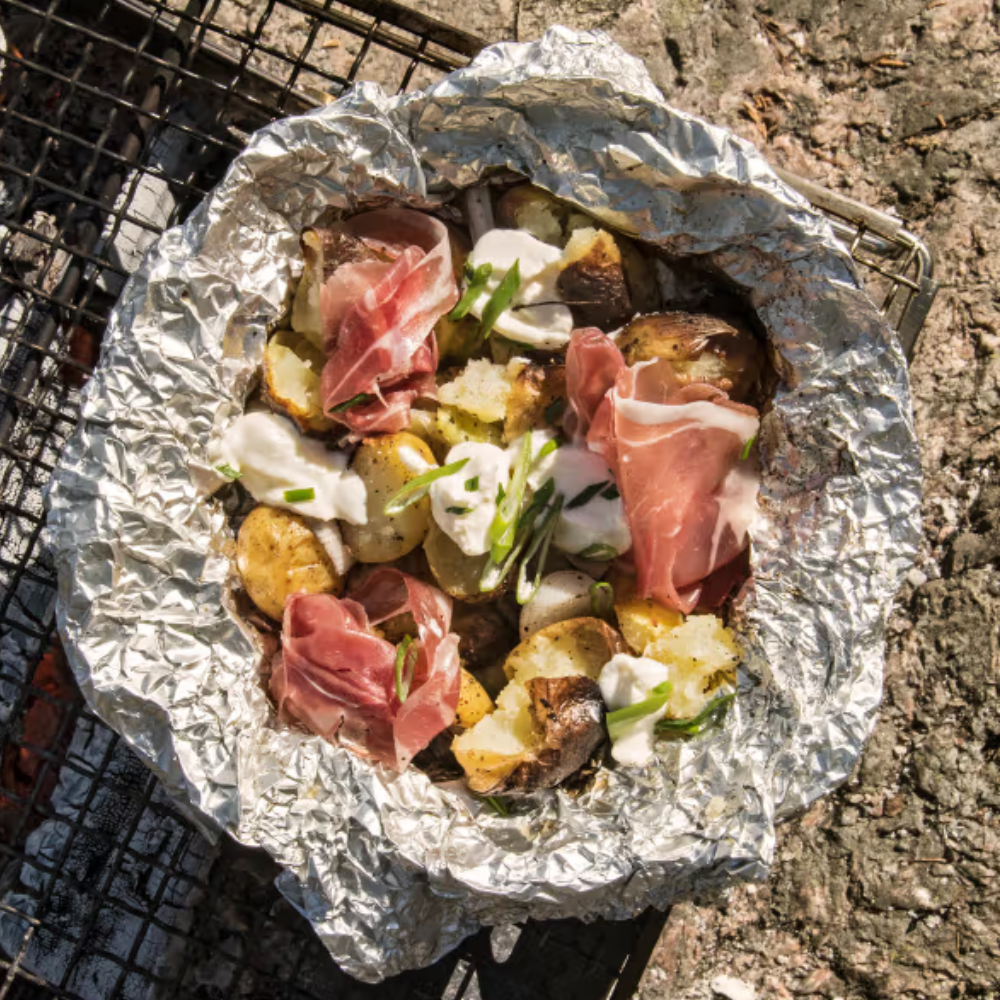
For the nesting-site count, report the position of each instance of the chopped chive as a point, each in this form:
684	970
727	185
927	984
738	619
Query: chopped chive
471	485
405	665
495	572
745	454
619	720
555	409
546	450
358	400
586	495
540	541
712	714
458	510
611	493
418	487
500	299
538	502
500	492
300	496
476	284
602	599
228	471
497	805
504	527
598	551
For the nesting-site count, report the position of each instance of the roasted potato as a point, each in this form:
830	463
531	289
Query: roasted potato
641	620
455	426
456	573
485	635
592	281
387	464
560	596
548	719
537	399
700	348
457	340
554	221
292	369
481	389
473	702
277	555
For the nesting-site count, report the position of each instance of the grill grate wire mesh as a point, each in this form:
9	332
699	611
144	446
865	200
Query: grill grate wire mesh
116	118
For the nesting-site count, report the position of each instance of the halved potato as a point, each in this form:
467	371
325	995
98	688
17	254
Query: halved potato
277	554
548	719
592	281
700	348
292	369
537	399
387	464
455	426
473	701
456	573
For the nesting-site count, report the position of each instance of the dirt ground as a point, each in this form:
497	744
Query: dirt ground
890	887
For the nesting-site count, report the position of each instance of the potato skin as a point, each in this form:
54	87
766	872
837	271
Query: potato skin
292	368
455	573
536	388
485	635
381	463
594	283
277	555
700	348
473	701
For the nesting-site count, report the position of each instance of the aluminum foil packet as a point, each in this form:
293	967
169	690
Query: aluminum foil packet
392	870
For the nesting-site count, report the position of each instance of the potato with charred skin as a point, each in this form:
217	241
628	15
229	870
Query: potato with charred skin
548	719
277	554
292	369
386	465
537	399
592	282
700	348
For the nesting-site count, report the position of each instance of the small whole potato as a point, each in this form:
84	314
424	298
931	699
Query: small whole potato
277	554
387	464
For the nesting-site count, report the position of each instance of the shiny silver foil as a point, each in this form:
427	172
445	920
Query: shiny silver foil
392	870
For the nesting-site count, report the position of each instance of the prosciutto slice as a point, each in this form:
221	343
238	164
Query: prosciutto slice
378	319
337	677
676	452
593	364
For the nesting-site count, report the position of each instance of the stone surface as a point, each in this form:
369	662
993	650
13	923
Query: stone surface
888	889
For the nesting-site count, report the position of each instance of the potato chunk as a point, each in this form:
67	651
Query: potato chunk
482	389
593	281
387	464
537	399
277	554
473	701
292	369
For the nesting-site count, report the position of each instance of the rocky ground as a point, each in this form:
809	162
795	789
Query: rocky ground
889	888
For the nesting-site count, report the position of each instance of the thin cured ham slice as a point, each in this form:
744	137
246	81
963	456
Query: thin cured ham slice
676	452
593	363
336	677
379	316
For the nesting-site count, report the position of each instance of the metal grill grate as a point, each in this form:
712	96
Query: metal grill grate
116	117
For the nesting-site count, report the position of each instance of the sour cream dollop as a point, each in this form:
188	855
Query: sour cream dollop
465	503
626	680
599	520
539	264
273	457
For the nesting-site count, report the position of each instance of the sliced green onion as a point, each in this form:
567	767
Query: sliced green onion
540	542
358	400
546	450
602	599
712	714
418	487
405	665
587	494
471	485
228	471
300	496
497	805
539	501
598	551
555	409
619	720
501	298
476	284
611	493
494	573
458	510
504	526
500	492
745	454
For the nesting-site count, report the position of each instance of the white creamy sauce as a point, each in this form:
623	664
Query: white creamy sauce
626	680
273	457
539	265
599	521
450	495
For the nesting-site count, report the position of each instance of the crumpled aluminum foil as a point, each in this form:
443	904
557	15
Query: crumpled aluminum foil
392	870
